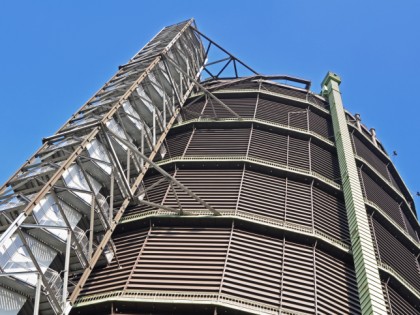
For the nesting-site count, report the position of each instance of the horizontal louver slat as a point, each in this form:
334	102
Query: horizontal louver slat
298	203
320	125
217	142
379	196
325	163
268	200
396	255
268	146
178	257
398	304
220	188
369	155
330	215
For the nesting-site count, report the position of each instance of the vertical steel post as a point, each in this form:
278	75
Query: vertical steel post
128	164
111	198
91	227
66	268
37	294
154	126
164	108
142	144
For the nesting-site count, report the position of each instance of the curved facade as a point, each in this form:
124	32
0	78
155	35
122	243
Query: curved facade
169	193
281	243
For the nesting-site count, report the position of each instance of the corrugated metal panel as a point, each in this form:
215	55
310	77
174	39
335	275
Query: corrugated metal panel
298	203
275	111
245	85
220	188
313	99
245	265
181	259
219	142
193	110
253	268
378	195
268	146
394	180
268	199
154	195
325	162
244	107
284	90
320	125
215	110
265	145
270	110
363	151
393	253
337	288
408	223
298	153
298	279
397	303
298	119
177	143
114	276
330	215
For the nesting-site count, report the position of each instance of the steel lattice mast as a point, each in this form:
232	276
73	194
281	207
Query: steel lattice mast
66	200
65	181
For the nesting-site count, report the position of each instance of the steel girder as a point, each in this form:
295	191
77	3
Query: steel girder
50	205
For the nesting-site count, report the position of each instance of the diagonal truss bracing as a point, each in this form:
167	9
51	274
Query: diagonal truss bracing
67	199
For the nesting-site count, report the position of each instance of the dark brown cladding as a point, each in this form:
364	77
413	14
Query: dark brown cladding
285	199
397	303
255	141
377	193
234	262
276	167
395	254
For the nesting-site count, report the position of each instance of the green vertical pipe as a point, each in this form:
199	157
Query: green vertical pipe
372	300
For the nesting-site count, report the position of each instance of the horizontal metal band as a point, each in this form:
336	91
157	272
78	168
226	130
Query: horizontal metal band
200	298
387	182
278	95
390	271
249	217
373	146
252	160
391	221
259	121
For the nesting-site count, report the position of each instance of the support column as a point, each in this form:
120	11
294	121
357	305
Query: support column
37	293
371	297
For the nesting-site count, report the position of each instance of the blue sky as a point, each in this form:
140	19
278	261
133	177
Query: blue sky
55	54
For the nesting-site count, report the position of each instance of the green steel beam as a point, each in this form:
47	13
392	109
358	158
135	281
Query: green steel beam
372	300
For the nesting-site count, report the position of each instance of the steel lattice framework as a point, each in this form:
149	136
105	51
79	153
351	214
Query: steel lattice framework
64	182
193	180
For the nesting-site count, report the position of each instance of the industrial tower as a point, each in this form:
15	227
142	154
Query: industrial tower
193	185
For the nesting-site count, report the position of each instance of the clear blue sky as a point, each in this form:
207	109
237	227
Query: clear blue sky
55	54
